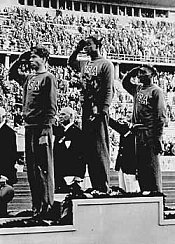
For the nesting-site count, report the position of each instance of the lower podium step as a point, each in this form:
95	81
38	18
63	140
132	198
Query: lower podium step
23	195
134	220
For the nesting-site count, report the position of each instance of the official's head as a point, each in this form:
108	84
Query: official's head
129	113
66	115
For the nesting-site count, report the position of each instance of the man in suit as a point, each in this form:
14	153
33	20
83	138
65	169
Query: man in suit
68	151
126	163
8	152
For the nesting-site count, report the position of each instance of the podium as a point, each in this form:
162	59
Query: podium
134	220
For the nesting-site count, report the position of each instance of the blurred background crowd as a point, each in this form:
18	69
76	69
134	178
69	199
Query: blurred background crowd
123	38
139	37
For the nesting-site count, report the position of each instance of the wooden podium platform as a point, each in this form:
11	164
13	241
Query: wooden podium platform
22	198
135	220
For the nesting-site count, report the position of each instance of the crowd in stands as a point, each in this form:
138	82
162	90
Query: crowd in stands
169	146
122	36
21	28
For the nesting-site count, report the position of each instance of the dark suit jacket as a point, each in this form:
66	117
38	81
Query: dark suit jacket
68	161
126	158
8	153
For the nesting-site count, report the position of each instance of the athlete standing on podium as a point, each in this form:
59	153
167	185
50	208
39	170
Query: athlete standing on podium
97	76
39	109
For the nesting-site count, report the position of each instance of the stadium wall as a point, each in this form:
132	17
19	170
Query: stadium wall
172	15
122	3
8	3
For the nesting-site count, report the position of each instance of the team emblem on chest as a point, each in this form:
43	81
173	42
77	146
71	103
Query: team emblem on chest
142	98
33	85
91	70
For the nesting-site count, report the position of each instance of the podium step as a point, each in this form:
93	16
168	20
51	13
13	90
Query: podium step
22	197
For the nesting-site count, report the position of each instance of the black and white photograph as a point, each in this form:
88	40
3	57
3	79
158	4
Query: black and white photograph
87	122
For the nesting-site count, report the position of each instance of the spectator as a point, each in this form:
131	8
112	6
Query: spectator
8	152
18	119
39	109
139	38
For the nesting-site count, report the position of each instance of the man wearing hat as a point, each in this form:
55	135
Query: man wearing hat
8	153
148	109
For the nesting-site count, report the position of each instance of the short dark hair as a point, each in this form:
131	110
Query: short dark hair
151	68
41	51
97	41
